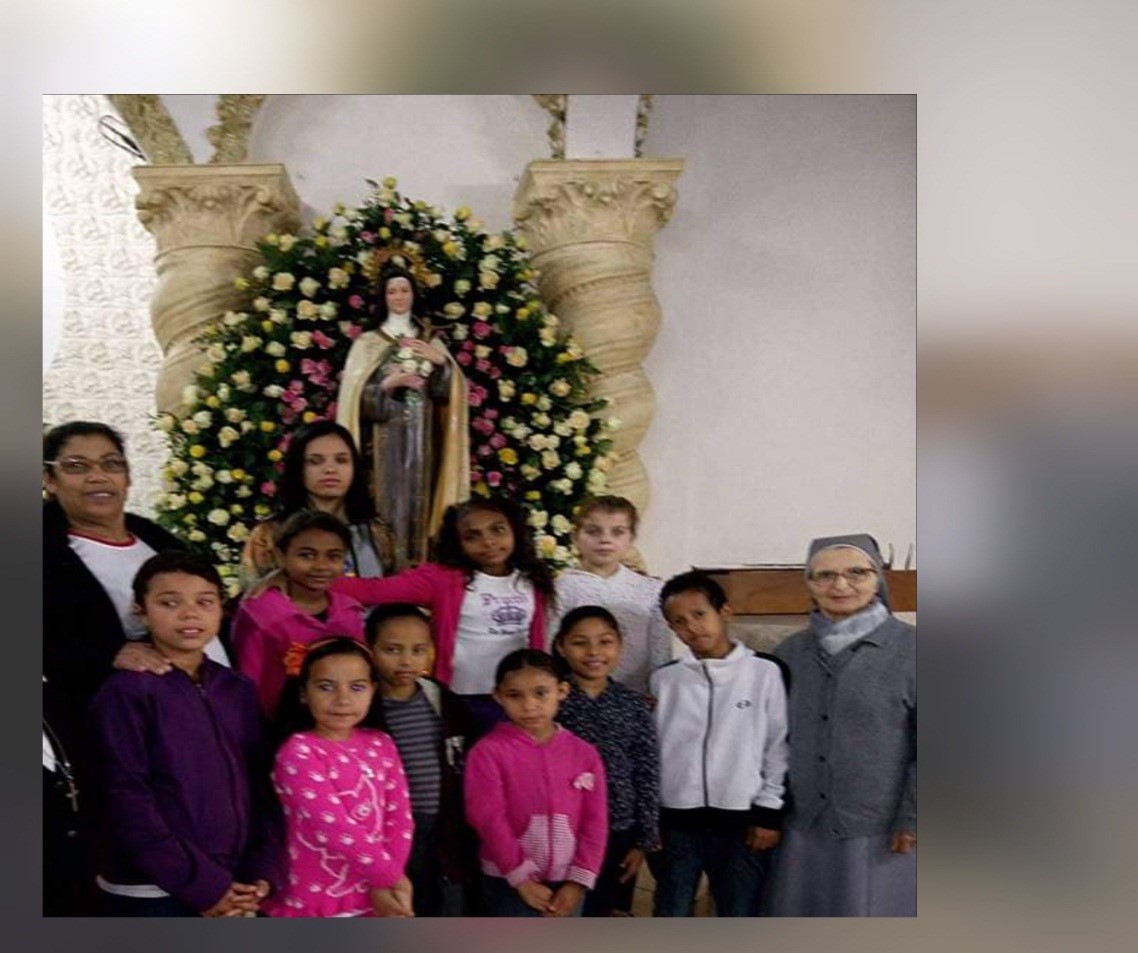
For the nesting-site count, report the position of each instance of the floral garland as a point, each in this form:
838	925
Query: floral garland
277	365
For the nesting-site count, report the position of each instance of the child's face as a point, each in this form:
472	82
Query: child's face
327	467
604	538
592	649
338	692
402	651
314	559
182	611
530	698
487	540
700	626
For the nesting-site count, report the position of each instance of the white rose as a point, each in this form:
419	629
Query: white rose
307	310
493	243
238	532
234	415
244	491
489	263
550	459
544	403
537	441
562	428
275	349
202	483
286	242
261	303
272	390
461	287
409	366
224	392
189	426
517	357
216	353
560	524
260	272
506	390
277	316
301	339
283	281
247	425
579	420
224	476
482	351
241	379
547	337
250	343
201	469
178	467
309	286
614	423
233	318
538	519
203	418
218	517
225	437
488	280
197	536
175	501
166	422
338	278
560	388
338	232
542	420
573	470
460	332
190	395
329	310
546	545
530	472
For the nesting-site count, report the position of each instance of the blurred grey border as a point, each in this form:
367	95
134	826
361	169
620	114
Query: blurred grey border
1028	450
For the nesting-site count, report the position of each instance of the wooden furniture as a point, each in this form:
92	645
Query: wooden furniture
781	590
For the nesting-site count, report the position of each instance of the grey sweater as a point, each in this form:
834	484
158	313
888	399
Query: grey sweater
853	732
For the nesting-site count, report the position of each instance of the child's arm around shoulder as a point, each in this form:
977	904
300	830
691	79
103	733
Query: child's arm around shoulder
420	585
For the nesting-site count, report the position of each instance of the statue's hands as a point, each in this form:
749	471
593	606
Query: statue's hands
425	350
399	379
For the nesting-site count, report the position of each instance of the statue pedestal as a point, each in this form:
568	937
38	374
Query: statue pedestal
591	225
205	220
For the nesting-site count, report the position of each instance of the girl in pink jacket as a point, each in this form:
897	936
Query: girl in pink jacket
311	549
344	794
488	593
536	795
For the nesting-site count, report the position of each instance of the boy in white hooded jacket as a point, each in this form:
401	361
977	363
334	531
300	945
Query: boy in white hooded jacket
721	718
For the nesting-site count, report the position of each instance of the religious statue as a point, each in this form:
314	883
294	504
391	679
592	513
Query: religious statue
404	399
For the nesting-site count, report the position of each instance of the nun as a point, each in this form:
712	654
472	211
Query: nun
848	847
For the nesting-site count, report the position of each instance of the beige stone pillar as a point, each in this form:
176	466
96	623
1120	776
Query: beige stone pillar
591	224
205	219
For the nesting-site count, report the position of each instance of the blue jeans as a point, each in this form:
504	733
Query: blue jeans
502	900
735	874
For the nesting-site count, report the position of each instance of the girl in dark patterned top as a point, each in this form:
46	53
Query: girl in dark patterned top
618	721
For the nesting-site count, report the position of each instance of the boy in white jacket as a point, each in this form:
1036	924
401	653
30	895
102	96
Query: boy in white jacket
721	719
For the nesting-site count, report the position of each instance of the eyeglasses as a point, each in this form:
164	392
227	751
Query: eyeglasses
853	576
79	466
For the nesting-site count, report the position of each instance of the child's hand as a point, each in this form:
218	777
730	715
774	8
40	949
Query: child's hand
903	842
228	905
535	895
630	866
140	657
761	838
567	898
248	897
402	891
385	902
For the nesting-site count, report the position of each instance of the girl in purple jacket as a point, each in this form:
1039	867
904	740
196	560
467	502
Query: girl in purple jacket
188	822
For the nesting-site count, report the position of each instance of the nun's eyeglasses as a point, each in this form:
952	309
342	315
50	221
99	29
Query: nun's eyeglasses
853	576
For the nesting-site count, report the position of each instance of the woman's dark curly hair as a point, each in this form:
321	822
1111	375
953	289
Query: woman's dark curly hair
447	546
294	715
291	493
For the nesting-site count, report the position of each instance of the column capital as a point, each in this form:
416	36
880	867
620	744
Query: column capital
215	204
563	201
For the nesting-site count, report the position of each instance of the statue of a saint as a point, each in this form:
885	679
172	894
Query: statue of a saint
404	399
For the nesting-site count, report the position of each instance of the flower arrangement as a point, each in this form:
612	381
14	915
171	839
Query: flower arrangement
275	365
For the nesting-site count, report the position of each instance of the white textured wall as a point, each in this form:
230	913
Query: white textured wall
103	356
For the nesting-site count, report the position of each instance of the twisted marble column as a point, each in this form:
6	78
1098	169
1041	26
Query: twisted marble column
591	225
205	220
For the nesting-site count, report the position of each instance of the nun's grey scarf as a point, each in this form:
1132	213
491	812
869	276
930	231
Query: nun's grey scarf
835	635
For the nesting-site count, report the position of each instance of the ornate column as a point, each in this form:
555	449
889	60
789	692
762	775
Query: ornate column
591	224
205	219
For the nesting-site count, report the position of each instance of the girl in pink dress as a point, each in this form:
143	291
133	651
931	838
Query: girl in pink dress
341	784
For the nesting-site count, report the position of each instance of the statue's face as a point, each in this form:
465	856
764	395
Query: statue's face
399	296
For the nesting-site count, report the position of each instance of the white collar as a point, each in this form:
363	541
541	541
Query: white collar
400	326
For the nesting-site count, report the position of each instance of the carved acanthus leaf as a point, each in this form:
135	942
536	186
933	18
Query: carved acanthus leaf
230	137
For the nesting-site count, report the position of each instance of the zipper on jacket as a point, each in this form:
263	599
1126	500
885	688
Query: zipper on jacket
707	733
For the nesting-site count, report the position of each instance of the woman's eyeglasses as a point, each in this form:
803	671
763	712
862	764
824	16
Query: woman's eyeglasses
853	576
79	466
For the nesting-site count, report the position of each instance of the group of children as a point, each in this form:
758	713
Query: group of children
555	749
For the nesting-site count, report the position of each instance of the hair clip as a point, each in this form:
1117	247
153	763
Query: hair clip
294	658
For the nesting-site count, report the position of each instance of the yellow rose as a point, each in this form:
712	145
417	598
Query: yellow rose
308	416
528	398
275	455
282	366
268	426
508	455
481	488
533	495
267	325
320	241
238	474
197	451
385	232
195	497
262	509
389	182
462	213
450	249
212	401
272	238
240	284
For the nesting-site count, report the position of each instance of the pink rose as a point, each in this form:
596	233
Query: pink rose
484	451
356	301
388	215
367	237
463	358
269	488
322	340
481	329
354	332
498	441
467	345
482	425
483	365
490	413
494	478
296	386
495	373
330	413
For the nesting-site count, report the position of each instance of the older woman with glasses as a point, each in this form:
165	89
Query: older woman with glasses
92	549
848	848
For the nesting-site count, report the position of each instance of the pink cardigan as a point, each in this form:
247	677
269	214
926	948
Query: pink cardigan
267	625
349	822
440	589
541	810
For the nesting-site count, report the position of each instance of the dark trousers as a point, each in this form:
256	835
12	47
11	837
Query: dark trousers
112	905
502	900
734	873
610	895
423	868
